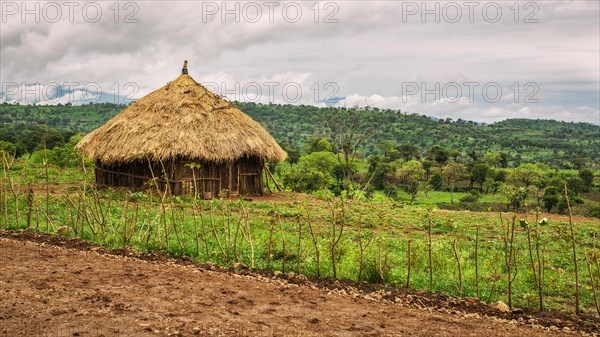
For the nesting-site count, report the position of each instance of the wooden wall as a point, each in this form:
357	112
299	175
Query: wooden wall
181	176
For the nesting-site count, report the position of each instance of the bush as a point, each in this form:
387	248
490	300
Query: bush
8	148
61	156
587	178
594	210
562	206
305	179
312	173
371	271
471	197
324	194
436	181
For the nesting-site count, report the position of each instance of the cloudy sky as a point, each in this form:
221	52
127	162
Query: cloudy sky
476	60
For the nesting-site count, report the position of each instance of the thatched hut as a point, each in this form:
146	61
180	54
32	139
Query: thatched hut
184	139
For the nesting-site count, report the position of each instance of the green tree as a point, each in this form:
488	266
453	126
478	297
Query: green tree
427	166
503	159
454	154
576	185
411	175
349	129
318	145
305	179
587	177
551	198
8	148
479	173
380	170
526	174
580	163
313	172
436	180
453	173
515	196
66	155
293	154
439	154
493	159
500	175
408	152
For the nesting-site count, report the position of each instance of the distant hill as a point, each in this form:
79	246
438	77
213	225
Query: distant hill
525	140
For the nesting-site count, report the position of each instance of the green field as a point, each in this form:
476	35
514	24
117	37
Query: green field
358	240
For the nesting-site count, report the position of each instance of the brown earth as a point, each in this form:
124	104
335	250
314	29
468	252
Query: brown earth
53	286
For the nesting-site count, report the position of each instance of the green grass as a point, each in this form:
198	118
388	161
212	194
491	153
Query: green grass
220	231
440	197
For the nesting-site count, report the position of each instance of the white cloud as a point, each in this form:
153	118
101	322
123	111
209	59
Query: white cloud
465	110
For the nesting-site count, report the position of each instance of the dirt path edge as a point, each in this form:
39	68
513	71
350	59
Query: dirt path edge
430	302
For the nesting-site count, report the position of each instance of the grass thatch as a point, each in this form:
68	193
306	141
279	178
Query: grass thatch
180	120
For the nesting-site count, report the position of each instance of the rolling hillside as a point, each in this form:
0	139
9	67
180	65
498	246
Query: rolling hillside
552	142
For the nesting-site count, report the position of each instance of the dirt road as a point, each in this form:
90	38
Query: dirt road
75	289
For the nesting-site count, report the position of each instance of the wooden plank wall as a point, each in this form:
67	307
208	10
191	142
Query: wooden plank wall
242	177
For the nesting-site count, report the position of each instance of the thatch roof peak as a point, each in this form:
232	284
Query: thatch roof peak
182	119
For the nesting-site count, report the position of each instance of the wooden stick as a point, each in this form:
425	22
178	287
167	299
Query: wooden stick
273	178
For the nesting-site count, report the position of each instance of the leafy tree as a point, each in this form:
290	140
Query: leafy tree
427	166
410	175
380	170
503	159
349	129
454	154
408	152
587	177
496	186
475	155
576	185
551	198
453	173
305	179
438	154
313	172
8	148
436	180
479	173
318	145
526	174
293	154
500	175
325	162
66	155
515	196
389	150
412	169
492	158
496	159
580	163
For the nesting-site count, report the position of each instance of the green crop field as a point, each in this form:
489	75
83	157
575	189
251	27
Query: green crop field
460	253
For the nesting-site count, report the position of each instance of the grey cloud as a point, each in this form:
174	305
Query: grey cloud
369	52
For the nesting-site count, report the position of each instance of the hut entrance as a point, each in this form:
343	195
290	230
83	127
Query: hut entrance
249	176
208	180
205	179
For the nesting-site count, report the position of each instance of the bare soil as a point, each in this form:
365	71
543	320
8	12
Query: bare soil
54	286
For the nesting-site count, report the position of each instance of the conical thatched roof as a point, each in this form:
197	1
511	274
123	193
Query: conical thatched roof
180	120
